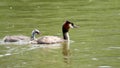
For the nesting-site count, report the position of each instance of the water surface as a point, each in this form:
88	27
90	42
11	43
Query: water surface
95	43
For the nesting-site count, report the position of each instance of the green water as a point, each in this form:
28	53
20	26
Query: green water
95	44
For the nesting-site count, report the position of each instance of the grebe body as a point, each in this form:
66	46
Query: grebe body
49	40
16	38
54	39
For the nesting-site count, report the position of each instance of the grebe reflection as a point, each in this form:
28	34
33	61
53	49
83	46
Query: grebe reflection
66	51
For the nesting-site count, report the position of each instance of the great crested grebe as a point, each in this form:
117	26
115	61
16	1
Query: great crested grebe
54	39
17	38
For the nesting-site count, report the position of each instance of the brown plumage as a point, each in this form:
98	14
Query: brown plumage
54	39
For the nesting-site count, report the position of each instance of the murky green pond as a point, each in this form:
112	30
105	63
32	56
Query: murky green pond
95	44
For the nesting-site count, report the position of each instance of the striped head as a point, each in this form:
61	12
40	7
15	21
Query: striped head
67	25
35	31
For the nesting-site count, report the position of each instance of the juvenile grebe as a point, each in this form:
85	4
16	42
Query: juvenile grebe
54	39
17	38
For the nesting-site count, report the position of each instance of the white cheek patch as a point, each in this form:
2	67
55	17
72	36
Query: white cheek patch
37	31
70	25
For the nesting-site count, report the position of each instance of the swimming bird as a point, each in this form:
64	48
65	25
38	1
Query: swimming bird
17	38
55	39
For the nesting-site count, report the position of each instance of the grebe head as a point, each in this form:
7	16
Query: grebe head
67	25
65	28
35	31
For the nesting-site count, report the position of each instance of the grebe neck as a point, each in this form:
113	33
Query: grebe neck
66	36
33	36
65	33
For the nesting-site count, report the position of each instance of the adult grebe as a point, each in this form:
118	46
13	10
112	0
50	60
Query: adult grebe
54	39
17	38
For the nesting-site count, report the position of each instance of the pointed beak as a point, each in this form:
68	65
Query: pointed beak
75	26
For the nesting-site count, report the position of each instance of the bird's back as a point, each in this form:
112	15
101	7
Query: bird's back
15	38
49	40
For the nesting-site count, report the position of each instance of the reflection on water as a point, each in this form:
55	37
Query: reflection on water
66	51
12	48
104	66
25	46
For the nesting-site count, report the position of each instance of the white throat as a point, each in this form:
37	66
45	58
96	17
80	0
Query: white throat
66	36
